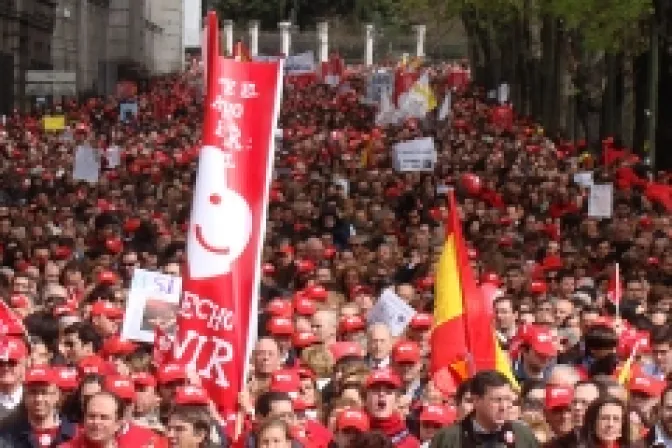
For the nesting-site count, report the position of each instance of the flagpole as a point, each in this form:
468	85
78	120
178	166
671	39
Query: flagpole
617	292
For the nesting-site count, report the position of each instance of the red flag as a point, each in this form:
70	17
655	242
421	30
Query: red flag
220	284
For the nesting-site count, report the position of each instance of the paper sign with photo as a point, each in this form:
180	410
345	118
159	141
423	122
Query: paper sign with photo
391	310
153	301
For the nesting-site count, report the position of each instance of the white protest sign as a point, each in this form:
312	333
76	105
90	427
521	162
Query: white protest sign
601	201
332	80
113	156
584	178
391	310
153	301
379	83
87	164
503	93
300	63
415	155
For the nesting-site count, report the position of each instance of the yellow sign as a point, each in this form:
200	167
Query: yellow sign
53	122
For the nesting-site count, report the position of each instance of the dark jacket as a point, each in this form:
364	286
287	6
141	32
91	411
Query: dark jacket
570	440
462	435
15	432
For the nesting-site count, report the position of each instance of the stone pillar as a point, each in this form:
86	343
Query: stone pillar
368	52
254	38
420	32
323	41
285	37
227	27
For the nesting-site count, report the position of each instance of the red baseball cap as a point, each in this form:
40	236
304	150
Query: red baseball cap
343	349
646	384
121	386
12	349
145	379
491	277
108	277
93	364
421	321
383	376
352	419
538	287
171	372
104	308
279	307
304	306
406	352
115	346
317	292
66	378
19	301
285	380
558	397
191	395
439	415
39	375
541	341
303	339
351	324
280	326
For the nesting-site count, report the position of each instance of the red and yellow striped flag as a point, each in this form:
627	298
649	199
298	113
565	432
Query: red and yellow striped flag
463	340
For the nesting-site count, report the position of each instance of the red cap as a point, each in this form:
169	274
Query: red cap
171	372
104	308
541	341
66	378
406	352
317	292
351	324
115	346
305	266
342	349
12	349
145	379
305	372
304	306
39	375
439	415
120	386
19	301
108	278
93	364
287	250
383	376
421	321
352	419
558	397
285	380
131	225
280	326
279	307
191	395
646	384
303	339
538	287
491	277
268	269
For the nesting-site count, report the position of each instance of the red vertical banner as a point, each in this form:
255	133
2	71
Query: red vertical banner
218	309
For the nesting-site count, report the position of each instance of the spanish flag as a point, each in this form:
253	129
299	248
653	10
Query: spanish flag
463	340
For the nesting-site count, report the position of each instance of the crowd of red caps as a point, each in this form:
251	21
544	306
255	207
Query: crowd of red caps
342	227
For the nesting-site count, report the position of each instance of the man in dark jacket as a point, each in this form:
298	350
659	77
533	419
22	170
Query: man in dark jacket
486	426
36	424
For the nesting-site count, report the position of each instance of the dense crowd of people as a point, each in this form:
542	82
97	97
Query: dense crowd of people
343	226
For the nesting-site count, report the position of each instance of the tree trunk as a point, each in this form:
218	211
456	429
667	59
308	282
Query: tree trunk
549	71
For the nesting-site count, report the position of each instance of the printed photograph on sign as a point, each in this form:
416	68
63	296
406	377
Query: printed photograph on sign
158	313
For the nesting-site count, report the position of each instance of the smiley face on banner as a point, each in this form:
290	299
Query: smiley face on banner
221	219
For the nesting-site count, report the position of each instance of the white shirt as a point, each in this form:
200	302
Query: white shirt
11	401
